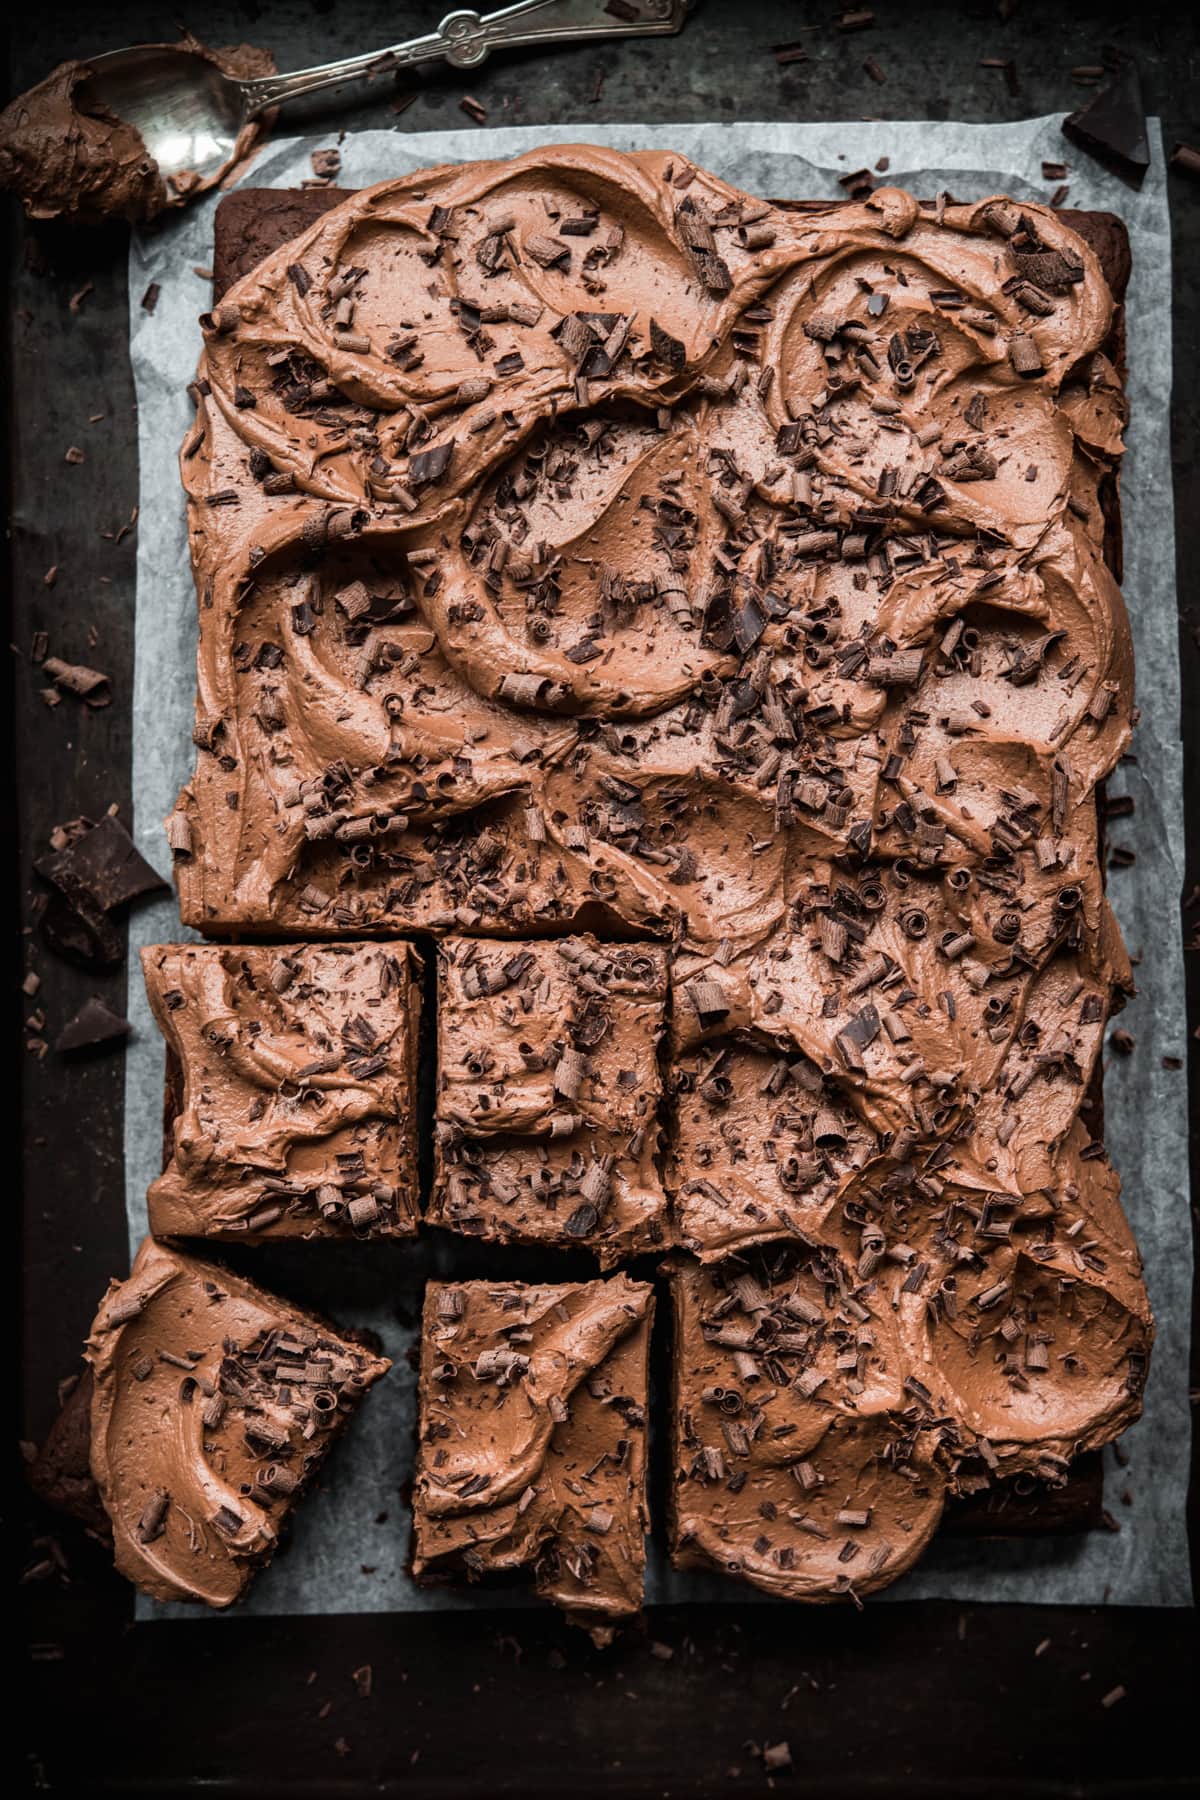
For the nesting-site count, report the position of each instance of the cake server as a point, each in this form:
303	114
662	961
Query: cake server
190	114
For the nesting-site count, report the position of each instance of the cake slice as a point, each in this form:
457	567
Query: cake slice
291	1089
799	1462
830	1397
532	1440
548	1093
213	1406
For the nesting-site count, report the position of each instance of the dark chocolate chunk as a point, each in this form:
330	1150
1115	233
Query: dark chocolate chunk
79	933
666	348
1112	126
94	1027
101	866
430	465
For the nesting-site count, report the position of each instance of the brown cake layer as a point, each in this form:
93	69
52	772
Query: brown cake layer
251	223
61	1475
61	1472
815	1436
276	862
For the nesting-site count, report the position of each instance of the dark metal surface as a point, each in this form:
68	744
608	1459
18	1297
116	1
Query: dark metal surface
905	1698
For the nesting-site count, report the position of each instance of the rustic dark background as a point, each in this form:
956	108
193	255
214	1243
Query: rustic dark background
912	1699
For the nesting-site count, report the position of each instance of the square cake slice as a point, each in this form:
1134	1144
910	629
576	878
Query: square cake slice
213	1406
291	1090
800	1461
532	1440
548	1093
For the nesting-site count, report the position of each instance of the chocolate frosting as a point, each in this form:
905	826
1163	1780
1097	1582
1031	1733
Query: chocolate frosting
548	1093
827	1402
214	1405
66	156
532	1445
715	539
297	1069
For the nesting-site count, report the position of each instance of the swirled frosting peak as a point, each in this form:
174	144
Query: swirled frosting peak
582	542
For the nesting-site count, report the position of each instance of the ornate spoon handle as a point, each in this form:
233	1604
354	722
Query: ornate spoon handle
466	39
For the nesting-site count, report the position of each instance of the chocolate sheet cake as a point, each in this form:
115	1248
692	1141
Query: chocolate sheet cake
532	1440
700	614
295	1110
213	1406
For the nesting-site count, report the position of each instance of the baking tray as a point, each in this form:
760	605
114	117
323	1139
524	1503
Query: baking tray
931	1698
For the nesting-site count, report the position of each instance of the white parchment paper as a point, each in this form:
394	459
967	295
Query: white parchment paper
350	1545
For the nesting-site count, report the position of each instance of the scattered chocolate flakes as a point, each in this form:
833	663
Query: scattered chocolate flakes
474	109
150	297
1006	67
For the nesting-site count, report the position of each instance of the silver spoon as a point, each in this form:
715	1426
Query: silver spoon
190	114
